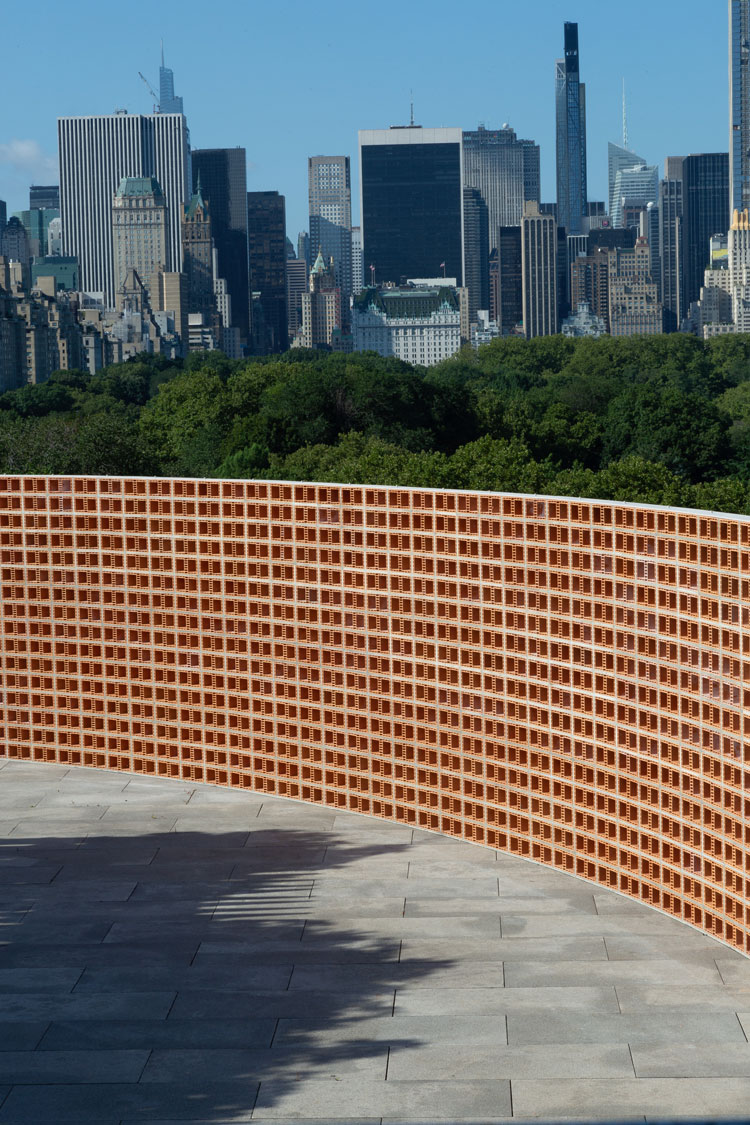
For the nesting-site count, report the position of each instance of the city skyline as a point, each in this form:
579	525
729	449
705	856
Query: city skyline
515	86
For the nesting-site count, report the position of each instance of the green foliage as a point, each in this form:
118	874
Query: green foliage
662	420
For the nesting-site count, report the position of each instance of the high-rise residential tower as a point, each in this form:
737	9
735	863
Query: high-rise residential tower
506	172
705	205
266	231
539	272
570	106
95	154
330	202
223	174
671	252
739	105
411	183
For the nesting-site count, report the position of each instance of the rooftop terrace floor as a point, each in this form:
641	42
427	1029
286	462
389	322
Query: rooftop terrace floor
173	952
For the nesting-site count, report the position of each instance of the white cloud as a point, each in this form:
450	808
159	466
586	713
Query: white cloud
28	157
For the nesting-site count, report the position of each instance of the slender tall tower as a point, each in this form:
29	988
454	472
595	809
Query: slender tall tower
739	105
570	105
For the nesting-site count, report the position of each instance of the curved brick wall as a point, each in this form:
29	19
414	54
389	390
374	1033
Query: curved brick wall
566	680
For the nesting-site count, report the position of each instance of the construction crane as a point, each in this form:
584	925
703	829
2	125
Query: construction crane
152	92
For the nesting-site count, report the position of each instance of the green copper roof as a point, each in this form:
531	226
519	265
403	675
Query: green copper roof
138	185
320	266
407	304
197	201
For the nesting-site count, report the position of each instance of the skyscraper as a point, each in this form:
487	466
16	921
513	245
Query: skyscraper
197	256
95	154
570	105
618	159
739	105
505	171
223	173
539	272
411	182
705	204
357	273
42	196
671	285
266	231
633	190
168	102
477	252
330	203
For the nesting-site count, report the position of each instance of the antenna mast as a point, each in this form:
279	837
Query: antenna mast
624	118
411	119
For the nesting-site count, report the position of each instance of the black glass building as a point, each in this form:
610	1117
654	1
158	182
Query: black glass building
570	109
705	212
223	178
412	205
266	230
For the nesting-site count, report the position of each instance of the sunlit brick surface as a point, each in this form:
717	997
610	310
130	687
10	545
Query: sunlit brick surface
566	680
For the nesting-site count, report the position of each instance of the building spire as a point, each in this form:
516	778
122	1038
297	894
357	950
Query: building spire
162	54
625	144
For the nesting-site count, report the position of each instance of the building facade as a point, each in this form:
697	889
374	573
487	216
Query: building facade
634	306
419	325
505	170
739	105
411	183
139	233
476	252
266	232
563	680
223	174
570	114
671	253
705	204
95	154
320	311
330	208
634	188
539	273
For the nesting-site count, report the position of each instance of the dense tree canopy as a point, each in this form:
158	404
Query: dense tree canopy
661	419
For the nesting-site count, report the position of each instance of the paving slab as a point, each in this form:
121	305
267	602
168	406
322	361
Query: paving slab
561	973
107	1103
464	1061
175	1034
267	1064
653	1026
482	1001
331	1099
400	1032
678	1097
21	1036
66	1067
729	1060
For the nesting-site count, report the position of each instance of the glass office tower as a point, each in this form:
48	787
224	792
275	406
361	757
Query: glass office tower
570	105
223	176
412	204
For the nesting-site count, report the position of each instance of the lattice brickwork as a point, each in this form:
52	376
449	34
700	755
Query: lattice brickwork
569	681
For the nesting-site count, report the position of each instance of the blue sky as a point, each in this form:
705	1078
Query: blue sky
291	78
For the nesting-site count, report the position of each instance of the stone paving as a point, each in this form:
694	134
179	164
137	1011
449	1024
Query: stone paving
173	952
